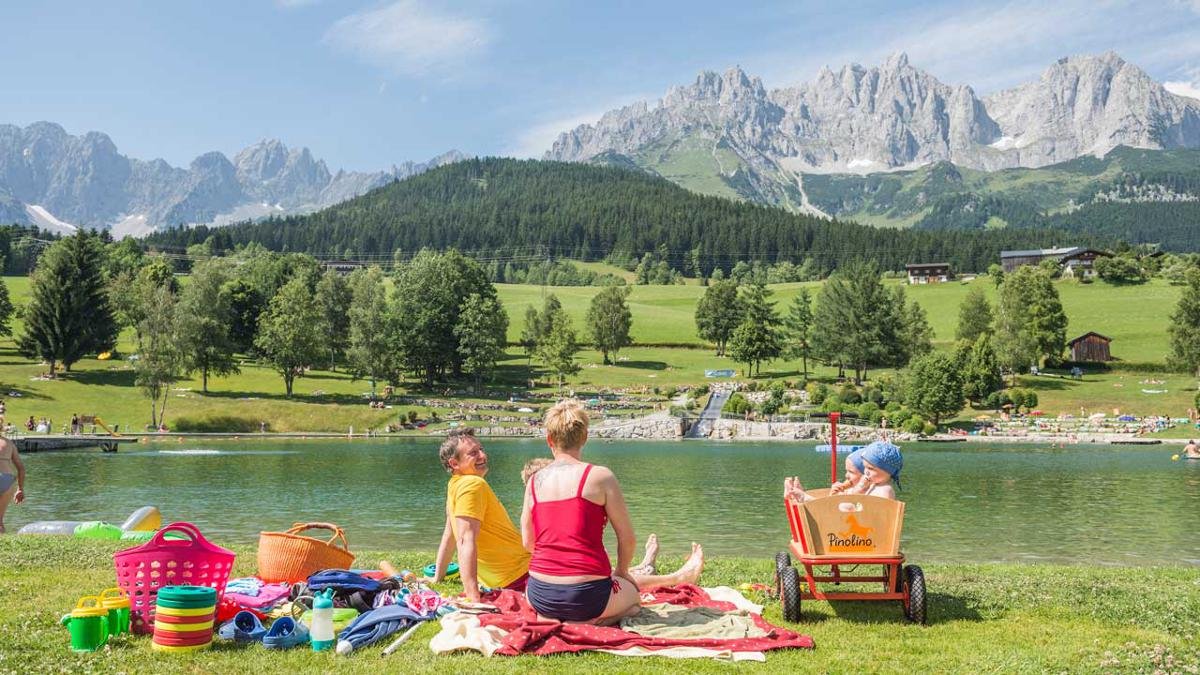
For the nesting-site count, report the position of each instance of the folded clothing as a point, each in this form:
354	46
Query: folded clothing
677	621
268	596
526	634
244	586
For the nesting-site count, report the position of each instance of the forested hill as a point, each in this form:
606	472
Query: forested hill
512	207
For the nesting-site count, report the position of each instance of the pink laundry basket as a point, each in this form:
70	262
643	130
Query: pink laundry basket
194	561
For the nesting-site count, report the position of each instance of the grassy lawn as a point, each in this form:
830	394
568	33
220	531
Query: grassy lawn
667	353
983	618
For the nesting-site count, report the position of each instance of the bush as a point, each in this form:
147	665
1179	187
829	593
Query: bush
929	429
832	404
670	392
737	405
849	394
876	418
915	425
898	417
771	406
866	409
700	391
752	385
893	406
817	391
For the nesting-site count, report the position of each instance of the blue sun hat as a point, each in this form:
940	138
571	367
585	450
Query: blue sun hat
885	456
856	459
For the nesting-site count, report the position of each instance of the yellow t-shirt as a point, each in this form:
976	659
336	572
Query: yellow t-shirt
502	557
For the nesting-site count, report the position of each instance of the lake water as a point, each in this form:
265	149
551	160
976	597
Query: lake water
965	502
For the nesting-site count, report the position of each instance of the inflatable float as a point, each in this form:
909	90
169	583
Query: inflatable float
139	526
842	449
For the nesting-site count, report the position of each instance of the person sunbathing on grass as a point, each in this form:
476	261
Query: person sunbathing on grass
881	465
567	505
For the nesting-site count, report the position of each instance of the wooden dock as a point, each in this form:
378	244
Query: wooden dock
106	443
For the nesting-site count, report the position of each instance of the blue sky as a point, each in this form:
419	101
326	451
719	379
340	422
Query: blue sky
368	84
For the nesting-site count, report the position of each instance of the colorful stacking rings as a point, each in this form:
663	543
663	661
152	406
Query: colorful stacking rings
183	618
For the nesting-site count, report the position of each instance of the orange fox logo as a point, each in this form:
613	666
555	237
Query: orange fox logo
853	527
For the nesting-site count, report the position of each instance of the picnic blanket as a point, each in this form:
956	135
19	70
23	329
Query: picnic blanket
524	633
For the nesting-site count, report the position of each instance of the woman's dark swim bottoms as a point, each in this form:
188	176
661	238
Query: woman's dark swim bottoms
569	602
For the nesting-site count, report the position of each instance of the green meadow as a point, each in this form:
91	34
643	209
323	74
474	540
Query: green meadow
982	618
666	353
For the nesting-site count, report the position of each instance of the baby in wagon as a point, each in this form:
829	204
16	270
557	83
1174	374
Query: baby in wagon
869	471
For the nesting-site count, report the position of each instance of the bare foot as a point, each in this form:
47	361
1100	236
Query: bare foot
690	572
646	567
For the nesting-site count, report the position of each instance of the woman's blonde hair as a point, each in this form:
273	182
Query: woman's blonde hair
566	425
533	466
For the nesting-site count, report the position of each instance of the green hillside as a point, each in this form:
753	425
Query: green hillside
515	209
1144	196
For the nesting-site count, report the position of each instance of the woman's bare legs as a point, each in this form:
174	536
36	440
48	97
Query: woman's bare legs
646	567
689	573
6	499
625	601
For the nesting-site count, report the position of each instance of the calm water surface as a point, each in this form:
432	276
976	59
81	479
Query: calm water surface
965	503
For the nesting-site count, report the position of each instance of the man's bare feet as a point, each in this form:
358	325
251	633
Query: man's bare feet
646	567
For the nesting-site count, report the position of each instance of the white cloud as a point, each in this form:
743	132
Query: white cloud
1189	89
996	46
410	38
536	140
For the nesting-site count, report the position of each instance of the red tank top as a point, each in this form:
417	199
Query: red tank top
569	535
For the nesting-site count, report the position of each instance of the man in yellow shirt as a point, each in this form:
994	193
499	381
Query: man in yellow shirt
490	550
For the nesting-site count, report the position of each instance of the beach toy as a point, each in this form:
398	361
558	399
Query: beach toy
95	529
322	621
117	604
88	624
162	562
183	619
431	569
342	616
1175	458
146	518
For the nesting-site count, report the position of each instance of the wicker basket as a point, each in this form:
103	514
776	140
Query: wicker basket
291	557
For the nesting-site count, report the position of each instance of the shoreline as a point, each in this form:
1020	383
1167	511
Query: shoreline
1053	440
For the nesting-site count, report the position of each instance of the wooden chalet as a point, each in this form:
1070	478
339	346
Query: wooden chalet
928	273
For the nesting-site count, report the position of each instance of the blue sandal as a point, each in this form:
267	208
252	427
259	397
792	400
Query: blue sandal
286	632
243	627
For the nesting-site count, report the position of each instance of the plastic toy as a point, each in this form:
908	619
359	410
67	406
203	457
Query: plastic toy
88	624
833	532
117	603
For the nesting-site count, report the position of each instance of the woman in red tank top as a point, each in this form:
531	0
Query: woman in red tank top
567	505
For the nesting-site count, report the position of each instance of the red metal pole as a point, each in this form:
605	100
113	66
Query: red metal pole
833	420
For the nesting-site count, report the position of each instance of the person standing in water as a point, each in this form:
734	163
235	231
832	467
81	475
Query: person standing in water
1191	450
12	477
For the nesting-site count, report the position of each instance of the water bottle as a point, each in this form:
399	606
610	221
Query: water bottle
322	621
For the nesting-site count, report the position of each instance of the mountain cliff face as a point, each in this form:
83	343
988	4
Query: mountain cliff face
726	134
59	181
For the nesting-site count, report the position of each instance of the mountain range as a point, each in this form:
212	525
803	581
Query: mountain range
726	134
59	182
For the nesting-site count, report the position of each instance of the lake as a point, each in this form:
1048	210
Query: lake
964	502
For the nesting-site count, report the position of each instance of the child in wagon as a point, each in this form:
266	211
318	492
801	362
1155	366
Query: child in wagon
881	463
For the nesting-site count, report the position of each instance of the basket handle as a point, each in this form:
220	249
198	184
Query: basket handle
189	529
337	532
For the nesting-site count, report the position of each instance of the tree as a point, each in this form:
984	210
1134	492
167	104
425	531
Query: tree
1031	325
719	312
68	314
125	256
202	323
974	316
370	352
6	306
756	338
333	296
981	371
558	347
609	320
996	273
916	335
1120	270
857	323
935	386
246	305
529	334
159	363
1184	330
429	292
798	328
291	334
481	331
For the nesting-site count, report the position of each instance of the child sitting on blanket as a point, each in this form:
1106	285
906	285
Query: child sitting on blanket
881	464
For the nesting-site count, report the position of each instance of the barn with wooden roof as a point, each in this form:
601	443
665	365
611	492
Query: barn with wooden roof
1090	346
